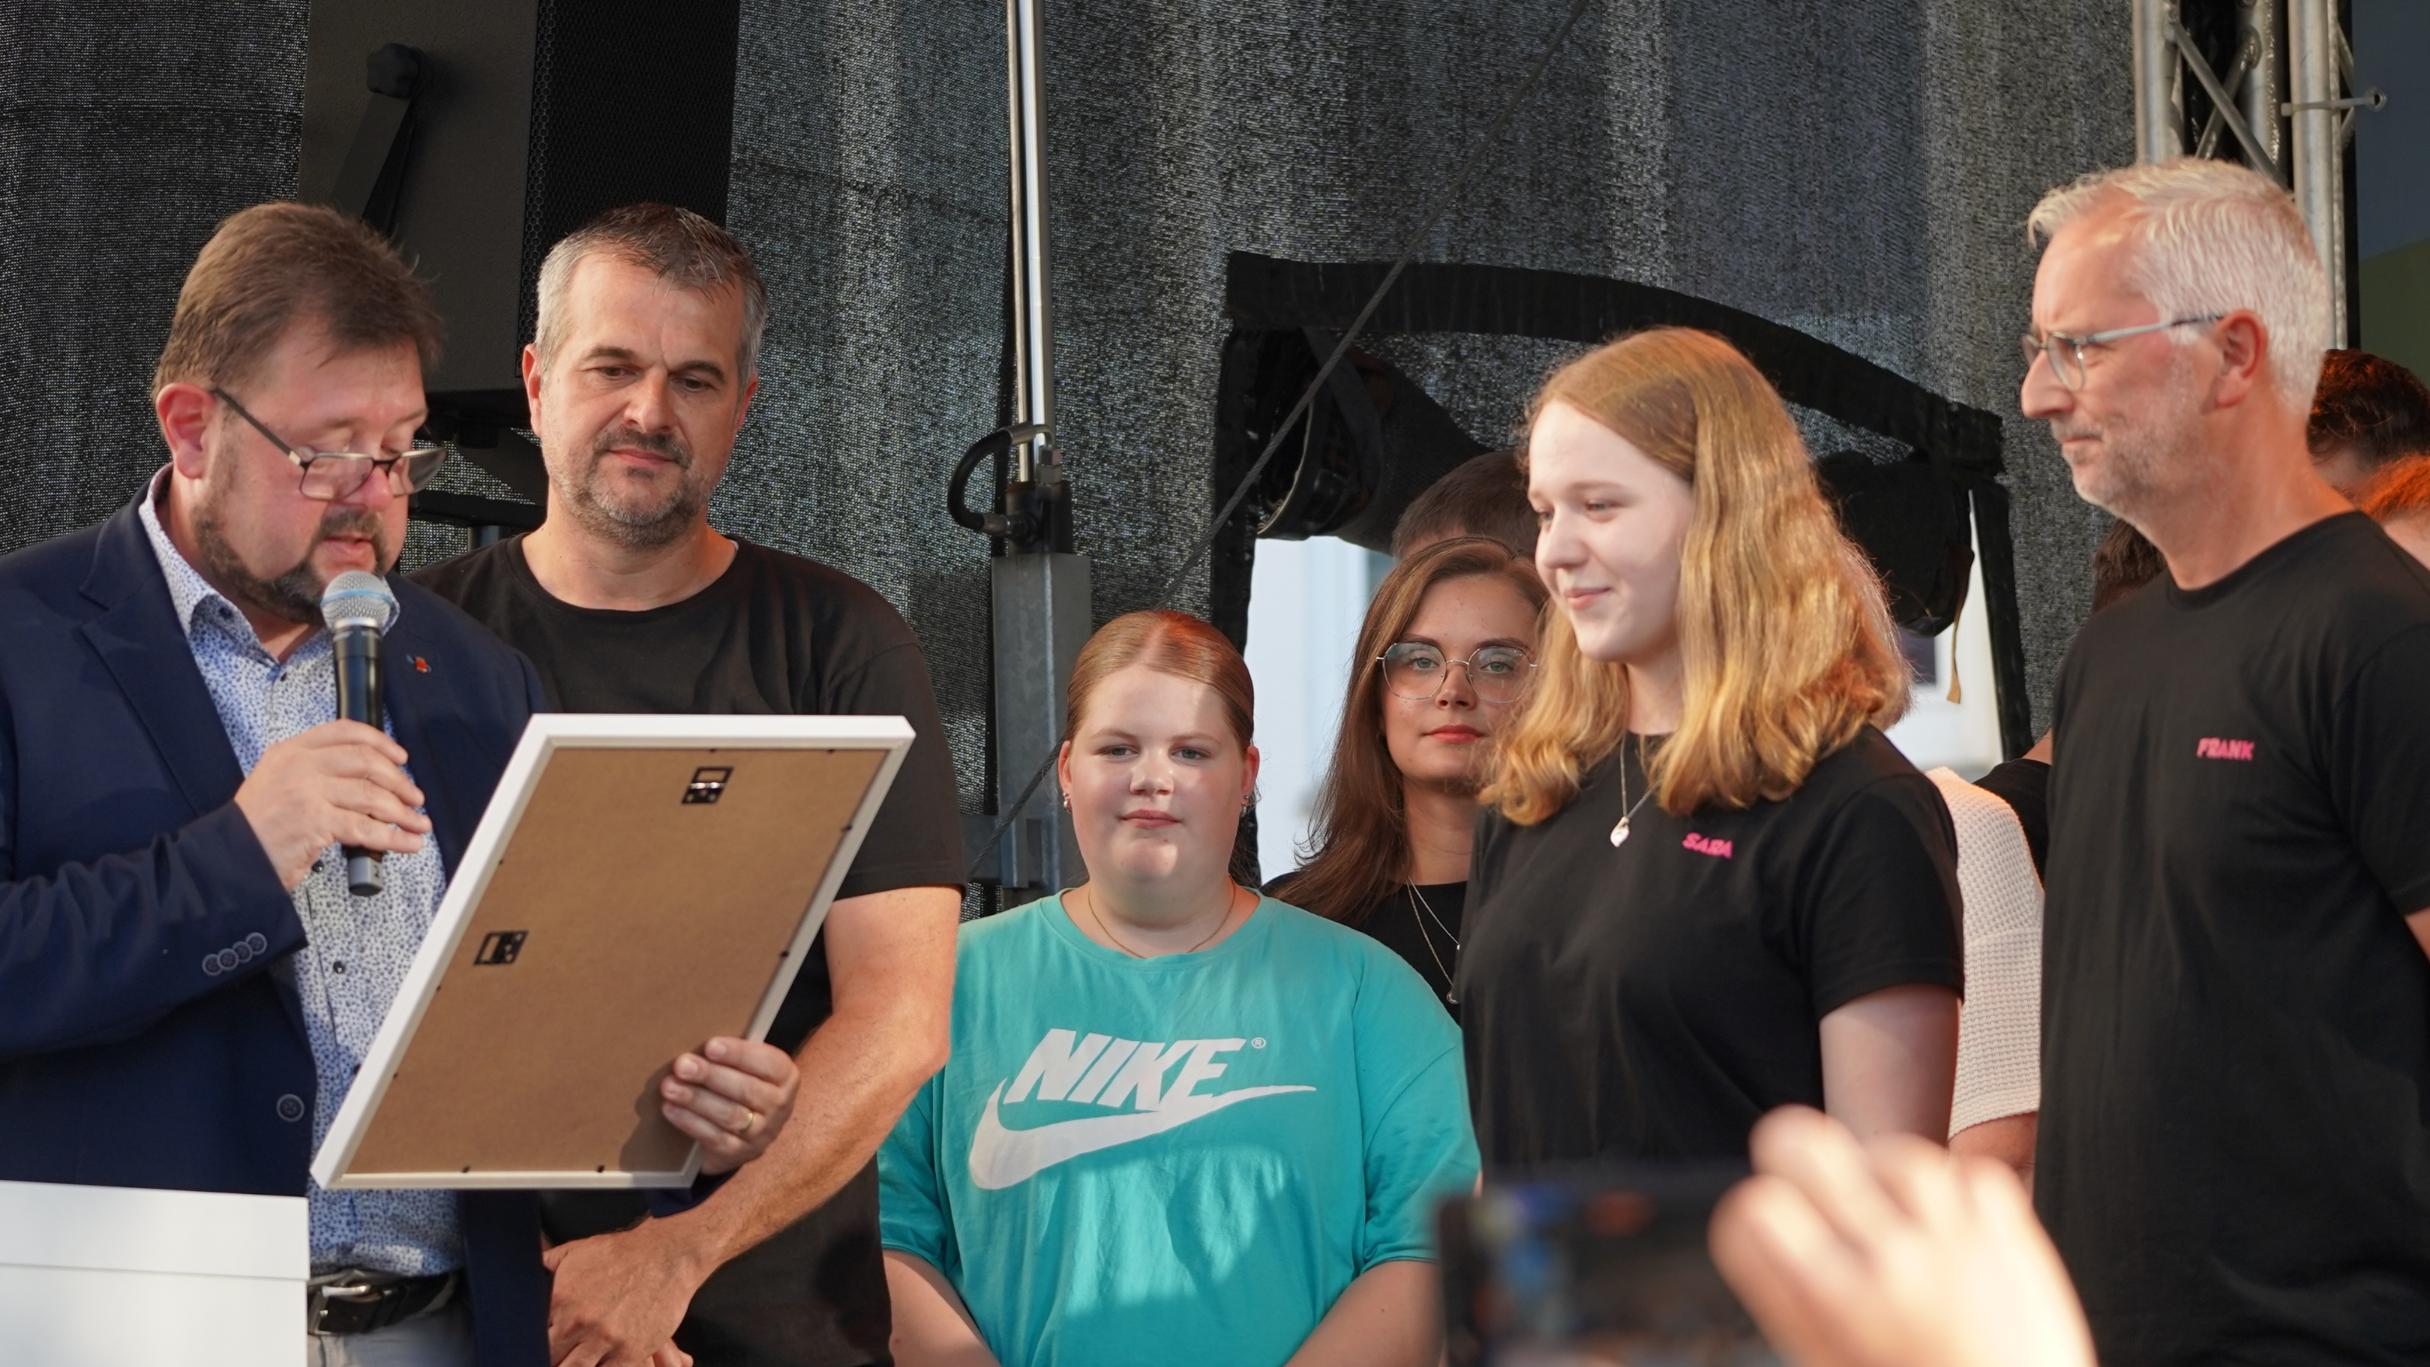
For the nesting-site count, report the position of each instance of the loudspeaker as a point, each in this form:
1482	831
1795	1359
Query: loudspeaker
476	133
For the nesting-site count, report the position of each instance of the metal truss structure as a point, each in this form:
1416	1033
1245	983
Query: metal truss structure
2284	105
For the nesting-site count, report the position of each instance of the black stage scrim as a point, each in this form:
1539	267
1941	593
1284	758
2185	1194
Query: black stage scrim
1858	171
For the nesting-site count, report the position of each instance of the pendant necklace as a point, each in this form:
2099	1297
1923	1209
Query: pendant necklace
1627	808
1417	901
1089	900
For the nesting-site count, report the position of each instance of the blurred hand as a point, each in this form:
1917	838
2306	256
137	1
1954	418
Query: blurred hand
1892	1254
733	1096
340	783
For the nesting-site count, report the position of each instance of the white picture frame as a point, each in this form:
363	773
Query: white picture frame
495	1087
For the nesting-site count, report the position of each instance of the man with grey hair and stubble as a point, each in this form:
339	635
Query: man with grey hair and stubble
2234	1153
627	600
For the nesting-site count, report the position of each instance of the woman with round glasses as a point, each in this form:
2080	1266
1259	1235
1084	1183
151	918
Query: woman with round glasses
1182	1123
1445	653
1708	885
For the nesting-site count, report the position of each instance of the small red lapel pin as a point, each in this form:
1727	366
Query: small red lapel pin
421	666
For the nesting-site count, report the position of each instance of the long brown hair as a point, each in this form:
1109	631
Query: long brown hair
1360	840
1785	645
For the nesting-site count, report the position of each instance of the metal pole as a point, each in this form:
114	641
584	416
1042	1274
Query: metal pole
1038	587
2319	171
2159	112
2223	107
2264	84
1033	349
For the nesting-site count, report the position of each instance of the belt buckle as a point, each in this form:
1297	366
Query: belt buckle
345	1307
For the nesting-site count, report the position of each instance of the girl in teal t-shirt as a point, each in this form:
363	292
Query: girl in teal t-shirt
1181	1123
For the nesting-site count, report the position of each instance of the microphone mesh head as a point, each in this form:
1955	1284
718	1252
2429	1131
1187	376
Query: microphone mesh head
357	599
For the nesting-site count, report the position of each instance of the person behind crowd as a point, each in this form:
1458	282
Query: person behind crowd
2124	560
2367	412
190	983
639	376
1707	885
1181	1122
2398	499
1445	653
2003	830
2236	989
1481	496
1998	1085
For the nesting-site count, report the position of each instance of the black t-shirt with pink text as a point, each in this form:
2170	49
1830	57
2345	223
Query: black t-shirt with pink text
1653	1001
2234	1155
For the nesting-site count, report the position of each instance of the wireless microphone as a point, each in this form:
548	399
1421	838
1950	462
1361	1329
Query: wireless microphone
358	607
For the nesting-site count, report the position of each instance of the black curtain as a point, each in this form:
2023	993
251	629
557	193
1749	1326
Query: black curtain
1859	170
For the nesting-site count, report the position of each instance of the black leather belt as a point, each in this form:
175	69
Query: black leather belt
359	1303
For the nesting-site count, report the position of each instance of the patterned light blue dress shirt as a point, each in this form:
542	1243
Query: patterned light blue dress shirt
357	948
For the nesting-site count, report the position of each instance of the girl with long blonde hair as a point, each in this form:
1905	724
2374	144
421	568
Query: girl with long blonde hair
1708	885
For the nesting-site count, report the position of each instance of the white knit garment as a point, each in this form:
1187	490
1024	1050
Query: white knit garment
1999	1060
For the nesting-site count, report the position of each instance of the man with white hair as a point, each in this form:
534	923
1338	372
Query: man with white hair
2234	1153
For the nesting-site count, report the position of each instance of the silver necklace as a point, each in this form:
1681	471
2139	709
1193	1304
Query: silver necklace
1417	901
1628	809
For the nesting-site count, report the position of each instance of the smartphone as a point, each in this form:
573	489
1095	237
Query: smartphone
1607	1268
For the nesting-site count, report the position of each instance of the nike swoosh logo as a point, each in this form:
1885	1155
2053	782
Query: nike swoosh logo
1001	1158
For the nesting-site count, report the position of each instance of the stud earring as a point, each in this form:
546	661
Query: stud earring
1067	799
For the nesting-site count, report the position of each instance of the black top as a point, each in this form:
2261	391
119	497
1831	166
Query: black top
1421	924
2235	1132
774	634
2024	784
1652	1001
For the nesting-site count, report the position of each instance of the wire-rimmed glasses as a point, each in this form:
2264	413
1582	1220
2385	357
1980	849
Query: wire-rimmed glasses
2066	353
335	474
1416	671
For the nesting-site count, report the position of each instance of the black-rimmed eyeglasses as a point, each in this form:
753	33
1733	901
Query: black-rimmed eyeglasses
335	474
1416	671
2066	353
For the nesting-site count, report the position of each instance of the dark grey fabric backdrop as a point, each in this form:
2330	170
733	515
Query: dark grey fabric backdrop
1858	168
126	131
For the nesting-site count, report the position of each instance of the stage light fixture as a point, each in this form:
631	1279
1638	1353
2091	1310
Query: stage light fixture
1371	442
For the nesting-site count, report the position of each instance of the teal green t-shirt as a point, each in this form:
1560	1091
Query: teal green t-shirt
1184	1158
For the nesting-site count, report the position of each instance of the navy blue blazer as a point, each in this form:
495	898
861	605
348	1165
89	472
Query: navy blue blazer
125	870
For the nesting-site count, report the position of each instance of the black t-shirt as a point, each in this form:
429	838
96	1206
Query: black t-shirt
775	634
2235	1135
2024	784
1420	923
1653	1001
